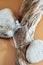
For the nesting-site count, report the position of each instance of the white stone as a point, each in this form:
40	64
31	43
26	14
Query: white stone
7	23
34	52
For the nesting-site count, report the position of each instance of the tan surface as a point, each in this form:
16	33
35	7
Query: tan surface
7	52
13	4
39	30
7	49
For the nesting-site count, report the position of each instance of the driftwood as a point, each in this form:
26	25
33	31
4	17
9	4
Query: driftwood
26	5
29	17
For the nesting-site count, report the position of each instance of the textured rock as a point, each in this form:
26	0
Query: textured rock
34	52
7	23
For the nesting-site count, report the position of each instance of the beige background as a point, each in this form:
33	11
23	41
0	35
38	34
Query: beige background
7	49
